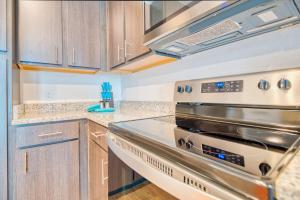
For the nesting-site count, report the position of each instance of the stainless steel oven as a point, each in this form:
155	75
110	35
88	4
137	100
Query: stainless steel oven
231	138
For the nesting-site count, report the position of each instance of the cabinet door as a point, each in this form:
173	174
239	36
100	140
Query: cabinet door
48	172
2	25
3	129
120	175
116	35
134	30
40	28
98	172
83	33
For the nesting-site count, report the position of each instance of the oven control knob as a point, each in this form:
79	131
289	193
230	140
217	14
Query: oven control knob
180	89
181	142
263	85
284	84
188	89
264	168
189	144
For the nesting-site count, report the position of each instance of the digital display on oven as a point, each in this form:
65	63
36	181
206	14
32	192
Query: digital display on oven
224	155
220	85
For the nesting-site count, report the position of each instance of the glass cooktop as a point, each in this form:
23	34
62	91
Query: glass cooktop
162	129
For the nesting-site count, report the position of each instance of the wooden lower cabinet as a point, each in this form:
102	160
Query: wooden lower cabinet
98	172
120	174
49	172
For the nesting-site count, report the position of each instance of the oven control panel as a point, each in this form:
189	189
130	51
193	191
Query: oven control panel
222	86
270	88
223	155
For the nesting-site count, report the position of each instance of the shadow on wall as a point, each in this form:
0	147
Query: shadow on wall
275	50
264	52
38	87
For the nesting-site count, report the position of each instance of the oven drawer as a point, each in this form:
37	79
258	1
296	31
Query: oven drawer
98	134
46	133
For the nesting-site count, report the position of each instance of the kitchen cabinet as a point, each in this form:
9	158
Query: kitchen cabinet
134	30
120	174
98	162
125	32
116	33
3	25
48	172
46	163
83	35
40	32
62	34
3	128
98	179
126	51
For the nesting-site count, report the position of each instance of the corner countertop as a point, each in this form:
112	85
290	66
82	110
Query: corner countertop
101	118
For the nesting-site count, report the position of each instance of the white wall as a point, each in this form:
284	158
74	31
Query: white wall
275	50
41	87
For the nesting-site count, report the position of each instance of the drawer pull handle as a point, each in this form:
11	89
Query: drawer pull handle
26	162
98	134
50	134
102	171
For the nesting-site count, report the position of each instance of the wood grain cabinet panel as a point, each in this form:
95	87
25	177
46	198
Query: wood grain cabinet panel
119	173
134	30
45	134
116	33
98	172
3	129
48	172
98	133
40	32
83	35
3	25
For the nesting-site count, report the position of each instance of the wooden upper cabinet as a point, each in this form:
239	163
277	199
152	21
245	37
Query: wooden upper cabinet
83	36
116	33
134	30
48	172
2	25
40	32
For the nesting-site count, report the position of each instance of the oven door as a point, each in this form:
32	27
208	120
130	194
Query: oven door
125	183
140	174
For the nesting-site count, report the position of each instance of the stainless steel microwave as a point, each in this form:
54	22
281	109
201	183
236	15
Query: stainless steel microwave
181	28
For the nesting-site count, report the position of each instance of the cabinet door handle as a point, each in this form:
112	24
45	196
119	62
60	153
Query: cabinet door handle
98	134
50	134
102	171
56	51
118	53
26	163
73	56
125	44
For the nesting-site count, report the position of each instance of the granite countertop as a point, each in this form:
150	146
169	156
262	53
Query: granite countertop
55	112
101	118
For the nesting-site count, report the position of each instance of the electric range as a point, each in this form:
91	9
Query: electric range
234	135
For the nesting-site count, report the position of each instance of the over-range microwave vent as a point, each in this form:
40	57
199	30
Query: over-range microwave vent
223	25
210	33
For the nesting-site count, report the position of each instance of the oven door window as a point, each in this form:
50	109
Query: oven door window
159	12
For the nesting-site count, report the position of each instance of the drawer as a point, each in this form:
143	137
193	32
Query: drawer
46	133
98	134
